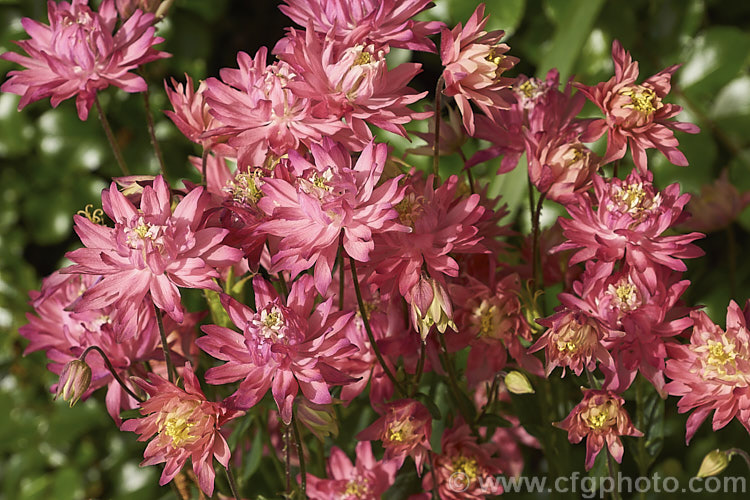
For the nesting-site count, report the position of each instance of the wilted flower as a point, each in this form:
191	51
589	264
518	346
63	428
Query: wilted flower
367	480
635	114
74	381
404	430
186	425
601	419
712	372
78	54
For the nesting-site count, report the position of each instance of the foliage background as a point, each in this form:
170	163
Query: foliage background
52	165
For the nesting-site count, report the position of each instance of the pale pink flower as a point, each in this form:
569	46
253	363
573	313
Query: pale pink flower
151	250
186	425
404	429
261	115
474	62
352	82
367	480
326	201
628	223
712	372
283	347
79	53
601	419
462	460
442	222
635	114
382	22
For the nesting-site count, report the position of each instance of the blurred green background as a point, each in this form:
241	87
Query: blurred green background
52	165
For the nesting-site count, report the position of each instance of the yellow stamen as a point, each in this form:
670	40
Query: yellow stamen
466	465
94	215
178	428
642	99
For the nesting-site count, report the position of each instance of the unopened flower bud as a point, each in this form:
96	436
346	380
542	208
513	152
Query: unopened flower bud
518	383
431	297
318	418
74	381
714	463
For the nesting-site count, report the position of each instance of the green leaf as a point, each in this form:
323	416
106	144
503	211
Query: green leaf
430	404
713	60
649	419
492	421
252	460
573	29
218	315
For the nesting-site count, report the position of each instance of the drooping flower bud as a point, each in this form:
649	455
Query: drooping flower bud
75	379
714	463
318	418
431	297
518	383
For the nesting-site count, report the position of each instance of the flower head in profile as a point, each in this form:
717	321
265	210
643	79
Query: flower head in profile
151	250
79	53
601	419
717	206
474	62
382	22
636	114
404	429
183	424
712	372
367	480
286	346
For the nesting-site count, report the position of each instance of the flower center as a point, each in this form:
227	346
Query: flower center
177	424
599	418
528	88
142	233
400	431
362	58
494	56
487	315
272	324
245	187
635	200
642	99
409	209
624	295
357	488
467	466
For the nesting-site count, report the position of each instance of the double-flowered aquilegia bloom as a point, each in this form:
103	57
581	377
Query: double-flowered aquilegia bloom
151	250
285	347
186	426
367	480
713	371
601	419
78	54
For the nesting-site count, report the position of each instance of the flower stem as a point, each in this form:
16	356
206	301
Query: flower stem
232	482
341	271
300	456
420	369
111	137
436	137
171	371
612	471
740	452
435	490
111	370
151	130
287	462
370	336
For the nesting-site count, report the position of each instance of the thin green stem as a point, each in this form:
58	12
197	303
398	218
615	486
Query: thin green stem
592	381
111	137
740	452
436	136
171	371
204	161
152	130
469	175
420	369
368	329
232	483
435	481
111	370
287	461
612	470
301	456
341	271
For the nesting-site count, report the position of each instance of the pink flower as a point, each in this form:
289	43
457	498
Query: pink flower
327	200
261	115
629	222
462	461
717	206
186	426
285	347
368	480
150	250
474	61
404	430
382	22
352	82
78	54
712	372
635	114
442	223
600	418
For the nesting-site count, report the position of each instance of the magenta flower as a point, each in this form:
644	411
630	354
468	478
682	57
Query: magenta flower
352	82
325	200
474	62
629	222
382	22
368	480
261	115
601	419
404	430
186	425
712	372
78	54
635	114
283	347
150	250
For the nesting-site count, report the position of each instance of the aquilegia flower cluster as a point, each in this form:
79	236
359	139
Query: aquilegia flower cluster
339	278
